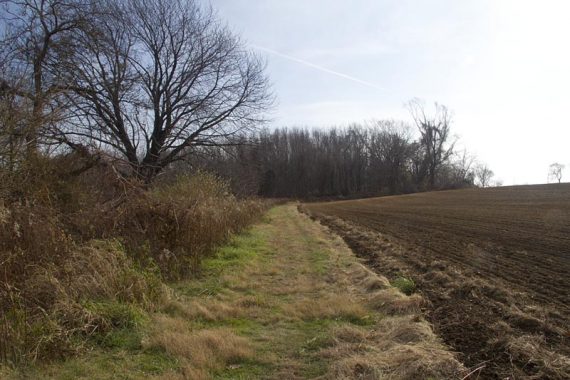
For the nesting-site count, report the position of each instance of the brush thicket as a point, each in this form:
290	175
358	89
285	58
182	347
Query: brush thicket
82	255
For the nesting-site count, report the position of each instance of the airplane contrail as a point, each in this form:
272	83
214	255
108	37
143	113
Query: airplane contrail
314	66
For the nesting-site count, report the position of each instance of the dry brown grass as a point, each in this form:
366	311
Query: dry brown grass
403	362
350	334
329	306
367	279
202	351
177	225
399	345
345	323
398	348
404	330
531	349
71	242
50	307
208	310
391	301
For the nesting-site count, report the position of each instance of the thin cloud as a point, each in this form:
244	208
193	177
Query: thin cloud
317	67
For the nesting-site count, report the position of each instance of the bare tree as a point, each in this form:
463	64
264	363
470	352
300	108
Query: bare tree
14	118
434	135
555	171
157	77
484	175
463	164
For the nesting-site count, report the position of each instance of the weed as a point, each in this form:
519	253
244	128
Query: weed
118	314
405	285
125	338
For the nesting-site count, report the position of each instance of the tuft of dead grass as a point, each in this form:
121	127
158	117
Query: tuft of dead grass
330	306
392	302
400	362
350	334
404	330
401	346
202	351
368	279
532	349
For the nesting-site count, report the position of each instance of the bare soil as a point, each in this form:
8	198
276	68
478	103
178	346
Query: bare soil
493	264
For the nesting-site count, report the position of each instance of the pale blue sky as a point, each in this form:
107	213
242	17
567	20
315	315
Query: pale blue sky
502	67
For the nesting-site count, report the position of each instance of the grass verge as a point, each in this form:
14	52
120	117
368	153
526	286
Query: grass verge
286	299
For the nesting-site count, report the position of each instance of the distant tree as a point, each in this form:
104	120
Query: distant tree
555	171
434	135
484	175
463	168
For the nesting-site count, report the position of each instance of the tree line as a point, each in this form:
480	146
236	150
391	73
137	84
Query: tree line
376	158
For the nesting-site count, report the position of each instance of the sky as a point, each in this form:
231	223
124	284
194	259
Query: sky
501	66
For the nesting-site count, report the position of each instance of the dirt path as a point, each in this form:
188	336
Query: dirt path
287	300
306	308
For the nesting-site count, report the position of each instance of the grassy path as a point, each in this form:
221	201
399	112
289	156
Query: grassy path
286	300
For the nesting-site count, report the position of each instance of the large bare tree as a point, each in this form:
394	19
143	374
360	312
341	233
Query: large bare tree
154	78
434	136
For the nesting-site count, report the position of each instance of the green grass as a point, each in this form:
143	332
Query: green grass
128	339
110	363
405	285
302	339
118	353
246	370
118	314
319	261
240	251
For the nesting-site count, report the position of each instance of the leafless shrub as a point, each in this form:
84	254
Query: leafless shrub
178	224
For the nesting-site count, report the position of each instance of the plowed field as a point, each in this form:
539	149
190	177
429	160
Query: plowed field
492	264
